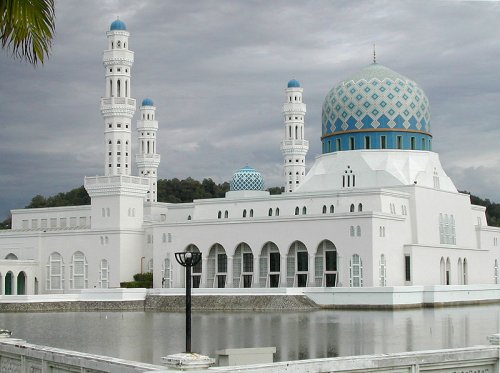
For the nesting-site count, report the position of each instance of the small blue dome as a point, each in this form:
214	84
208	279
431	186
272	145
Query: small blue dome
118	25
147	102
294	83
247	178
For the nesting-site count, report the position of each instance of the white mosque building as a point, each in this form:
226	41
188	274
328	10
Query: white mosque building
375	209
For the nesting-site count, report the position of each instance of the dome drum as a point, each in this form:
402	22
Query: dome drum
377	140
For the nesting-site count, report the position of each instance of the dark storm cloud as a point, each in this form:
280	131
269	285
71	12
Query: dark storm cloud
217	69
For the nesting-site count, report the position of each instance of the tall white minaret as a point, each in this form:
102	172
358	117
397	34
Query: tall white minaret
117	107
293	147
148	160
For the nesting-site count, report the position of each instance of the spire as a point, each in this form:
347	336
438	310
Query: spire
374	54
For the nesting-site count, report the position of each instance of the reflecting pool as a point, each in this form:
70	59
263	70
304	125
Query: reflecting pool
147	336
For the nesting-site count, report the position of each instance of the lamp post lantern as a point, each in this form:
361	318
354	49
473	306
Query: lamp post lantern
188	260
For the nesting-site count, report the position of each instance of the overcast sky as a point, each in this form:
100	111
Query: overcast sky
217	70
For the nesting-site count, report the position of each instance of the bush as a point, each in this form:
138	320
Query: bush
142	280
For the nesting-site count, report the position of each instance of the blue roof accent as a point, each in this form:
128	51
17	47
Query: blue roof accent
246	178
118	25
294	83
147	102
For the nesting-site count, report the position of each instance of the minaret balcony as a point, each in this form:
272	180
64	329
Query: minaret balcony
301	143
111	101
291	107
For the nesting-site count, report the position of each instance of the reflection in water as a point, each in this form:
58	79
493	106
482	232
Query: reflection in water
147	336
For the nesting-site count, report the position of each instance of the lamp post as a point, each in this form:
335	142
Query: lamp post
188	260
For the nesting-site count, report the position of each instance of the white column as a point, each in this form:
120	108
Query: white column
204	272
256	272
229	278
283	271
310	273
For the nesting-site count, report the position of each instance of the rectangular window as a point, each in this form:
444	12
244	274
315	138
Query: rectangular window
34	223
407	268
25	224
423	144
83	221
53	222
247	262
399	140
367	142
302	265
72	222
221	263
331	260
63	222
274	262
351	143
43	223
412	143
383	142
329	146
339	145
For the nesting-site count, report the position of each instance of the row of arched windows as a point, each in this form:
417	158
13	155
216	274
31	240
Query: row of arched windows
462	271
78	272
355	231
269	268
297	211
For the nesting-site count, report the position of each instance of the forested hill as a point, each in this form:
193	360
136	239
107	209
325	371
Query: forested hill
187	190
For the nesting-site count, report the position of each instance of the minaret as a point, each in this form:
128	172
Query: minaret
293	146
117	107
147	160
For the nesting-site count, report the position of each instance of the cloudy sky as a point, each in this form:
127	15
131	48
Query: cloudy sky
216	71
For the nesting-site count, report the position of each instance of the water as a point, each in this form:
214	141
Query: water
147	336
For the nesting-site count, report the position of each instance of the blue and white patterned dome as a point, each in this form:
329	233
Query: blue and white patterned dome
374	103
294	83
118	25
147	102
247	178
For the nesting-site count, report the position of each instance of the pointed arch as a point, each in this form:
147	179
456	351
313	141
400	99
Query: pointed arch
55	272
217	266
78	271
243	266
269	266
297	265
21	283
356	271
197	270
325	264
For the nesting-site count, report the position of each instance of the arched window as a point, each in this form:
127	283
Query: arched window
166	278
448	272
251	213
297	210
104	274
356	271
270	213
11	256
118	88
110	88
197	269
351	231
324	209
164	238
244	213
466	280
78	271
226	214
325	264
304	210
118	44
383	271
332	209
126	88
460	269
442	271
189	217
277	212
360	207
55	272
495	271
219	215
358	231
352	207
217	267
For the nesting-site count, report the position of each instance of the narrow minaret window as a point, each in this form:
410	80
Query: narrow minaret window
147	160
293	145
118	63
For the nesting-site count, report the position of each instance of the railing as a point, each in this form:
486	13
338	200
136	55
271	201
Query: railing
115	179
295	142
118	101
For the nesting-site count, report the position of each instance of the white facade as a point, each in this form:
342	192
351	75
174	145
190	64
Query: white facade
361	217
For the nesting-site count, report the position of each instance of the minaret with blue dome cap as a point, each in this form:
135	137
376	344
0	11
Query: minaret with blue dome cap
294	147
117	105
148	159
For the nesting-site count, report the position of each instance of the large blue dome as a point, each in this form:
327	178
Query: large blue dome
147	102
247	178
118	25
294	83
377	108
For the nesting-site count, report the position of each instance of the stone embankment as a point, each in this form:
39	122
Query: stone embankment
230	303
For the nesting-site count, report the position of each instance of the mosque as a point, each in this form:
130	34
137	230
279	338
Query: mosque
375	209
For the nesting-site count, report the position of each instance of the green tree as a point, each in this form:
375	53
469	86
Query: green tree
27	28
